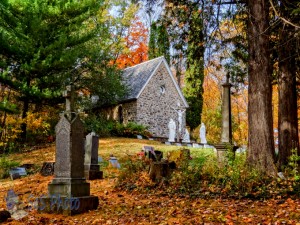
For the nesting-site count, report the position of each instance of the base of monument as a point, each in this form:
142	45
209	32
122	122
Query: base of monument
69	186
66	205
93	175
222	151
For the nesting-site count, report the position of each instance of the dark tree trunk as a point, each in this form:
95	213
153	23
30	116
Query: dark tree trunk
287	111
260	152
24	124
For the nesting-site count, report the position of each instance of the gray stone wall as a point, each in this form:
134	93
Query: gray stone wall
129	111
154	106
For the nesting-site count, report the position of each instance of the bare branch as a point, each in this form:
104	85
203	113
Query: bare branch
283	19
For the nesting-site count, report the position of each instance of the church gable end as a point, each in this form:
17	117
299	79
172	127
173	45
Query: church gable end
157	100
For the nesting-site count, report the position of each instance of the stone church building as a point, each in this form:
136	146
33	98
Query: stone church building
154	98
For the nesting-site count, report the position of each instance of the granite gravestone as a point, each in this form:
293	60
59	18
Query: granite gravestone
91	167
69	182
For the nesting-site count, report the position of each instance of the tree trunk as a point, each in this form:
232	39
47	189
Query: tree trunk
260	152
24	124
159	170
287	111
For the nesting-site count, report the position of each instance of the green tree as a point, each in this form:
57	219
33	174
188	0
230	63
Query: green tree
184	20
194	75
48	44
159	44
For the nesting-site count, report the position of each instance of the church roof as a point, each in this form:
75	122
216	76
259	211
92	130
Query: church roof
138	76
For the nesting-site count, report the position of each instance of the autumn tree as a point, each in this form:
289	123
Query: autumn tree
135	49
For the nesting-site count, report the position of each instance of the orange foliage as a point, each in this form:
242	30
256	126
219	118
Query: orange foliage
239	110
211	107
212	114
136	49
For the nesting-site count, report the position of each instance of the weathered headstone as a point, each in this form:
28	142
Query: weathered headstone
91	167
13	205
69	184
17	172
47	169
113	162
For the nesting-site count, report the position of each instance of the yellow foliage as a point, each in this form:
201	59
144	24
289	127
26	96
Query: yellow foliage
36	123
11	131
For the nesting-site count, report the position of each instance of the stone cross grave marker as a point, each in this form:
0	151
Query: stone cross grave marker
69	95
69	182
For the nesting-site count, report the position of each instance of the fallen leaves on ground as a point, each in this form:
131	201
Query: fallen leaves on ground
122	207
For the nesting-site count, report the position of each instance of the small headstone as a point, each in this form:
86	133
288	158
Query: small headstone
13	205
47	169
113	161
15	176
91	166
155	155
139	136
148	149
100	160
17	172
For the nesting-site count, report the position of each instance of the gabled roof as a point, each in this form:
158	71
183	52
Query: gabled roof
137	77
